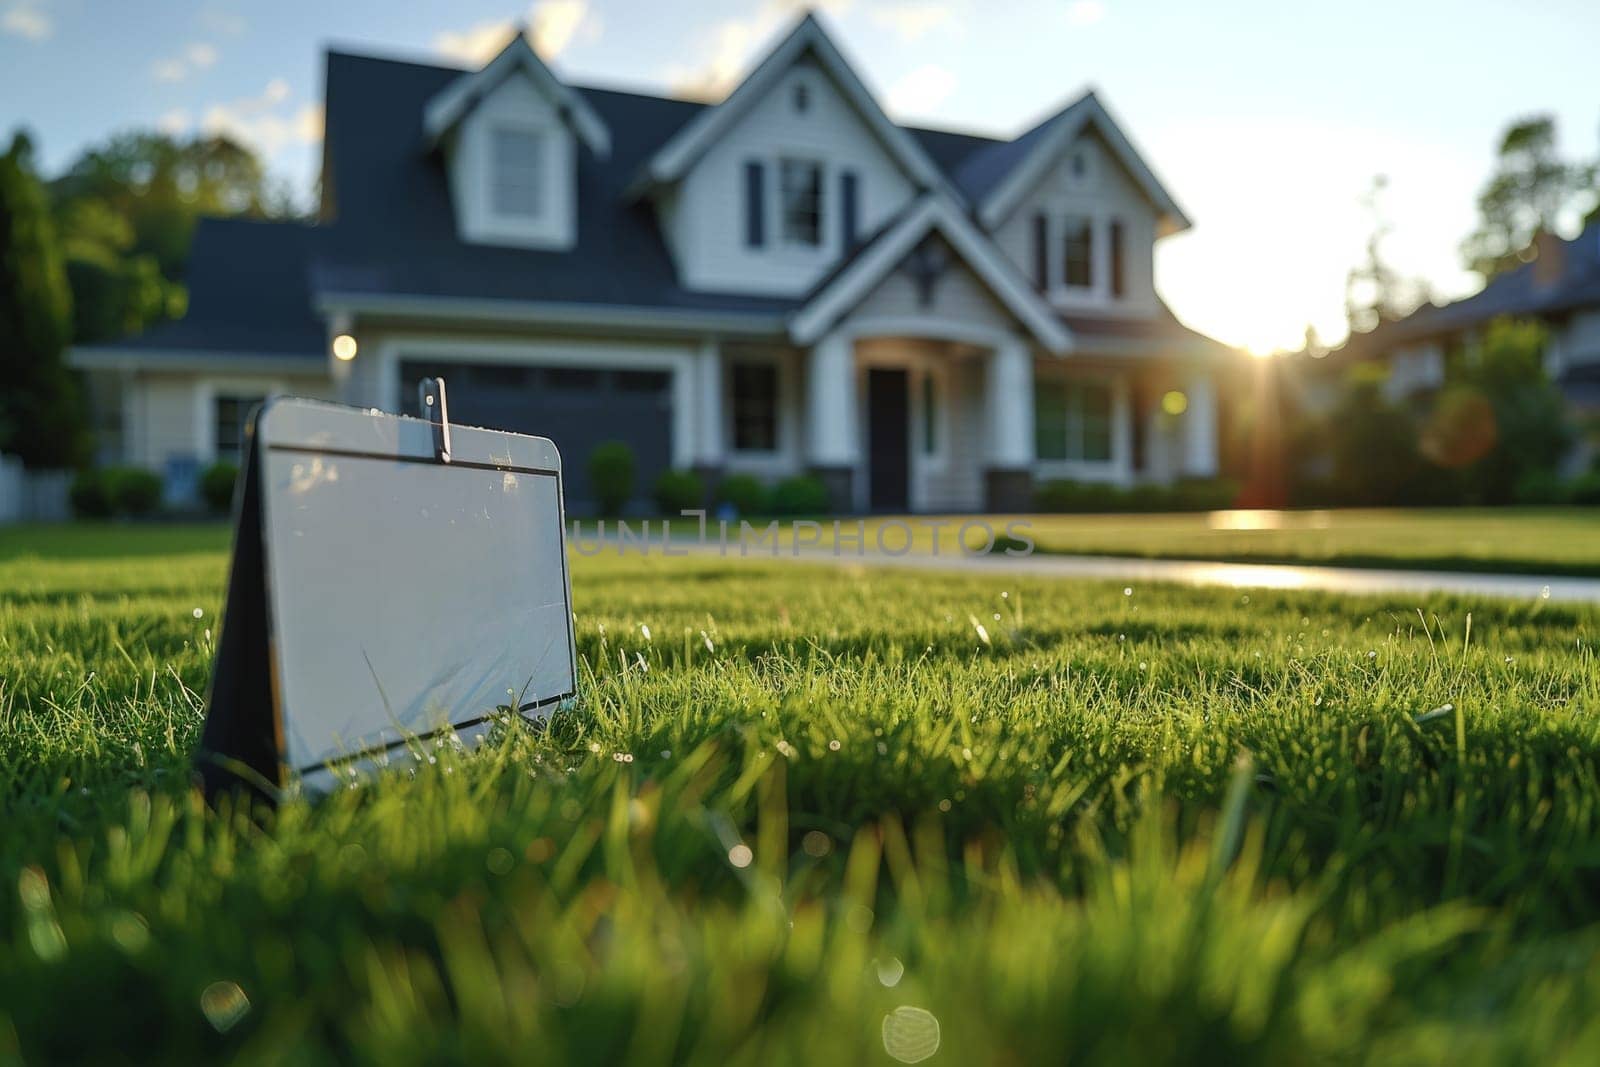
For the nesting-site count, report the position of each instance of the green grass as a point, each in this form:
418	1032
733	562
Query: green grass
1522	541
1173	826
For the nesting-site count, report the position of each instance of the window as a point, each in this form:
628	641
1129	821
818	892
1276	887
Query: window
1077	253
231	413
1118	262
930	415
1072	421
755	407
800	186
802	97
516	187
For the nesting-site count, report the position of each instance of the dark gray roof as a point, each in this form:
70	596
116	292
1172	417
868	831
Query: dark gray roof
389	227
1523	291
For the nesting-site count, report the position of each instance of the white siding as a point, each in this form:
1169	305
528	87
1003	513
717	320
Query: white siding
958	296
168	417
1107	192
957	483
514	104
704	218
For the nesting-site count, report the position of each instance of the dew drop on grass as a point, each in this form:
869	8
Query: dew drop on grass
1127	590
910	1035
833	746
816	844
890	971
199	613
224	1004
740	856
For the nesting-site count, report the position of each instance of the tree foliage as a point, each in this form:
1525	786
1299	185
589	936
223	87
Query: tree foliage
1531	189
41	416
1374	292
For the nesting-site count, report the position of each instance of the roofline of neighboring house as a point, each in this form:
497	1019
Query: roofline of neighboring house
134	357
550	313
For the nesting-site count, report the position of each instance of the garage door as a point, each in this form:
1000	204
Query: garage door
576	407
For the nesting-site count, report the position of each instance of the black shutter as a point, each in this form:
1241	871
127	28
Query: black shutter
1041	253
849	217
755	204
1117	259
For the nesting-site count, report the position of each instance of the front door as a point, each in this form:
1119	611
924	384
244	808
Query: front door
888	439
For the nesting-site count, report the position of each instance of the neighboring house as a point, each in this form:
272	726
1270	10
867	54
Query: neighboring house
780	283
1559	286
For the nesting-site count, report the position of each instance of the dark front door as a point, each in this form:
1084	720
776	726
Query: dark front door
888	439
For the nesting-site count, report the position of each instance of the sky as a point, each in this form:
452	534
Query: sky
1266	119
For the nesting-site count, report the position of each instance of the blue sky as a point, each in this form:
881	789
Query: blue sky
1266	119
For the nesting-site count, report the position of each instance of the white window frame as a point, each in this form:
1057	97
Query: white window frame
781	227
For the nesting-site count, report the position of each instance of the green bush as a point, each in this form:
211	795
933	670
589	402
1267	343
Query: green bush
89	497
216	486
745	493
1541	488
1192	494
611	472
132	490
800	495
1584	490
678	491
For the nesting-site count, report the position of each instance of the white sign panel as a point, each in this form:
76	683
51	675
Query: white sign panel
410	586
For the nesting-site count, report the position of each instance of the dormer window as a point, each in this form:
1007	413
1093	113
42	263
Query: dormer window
800	201
516	171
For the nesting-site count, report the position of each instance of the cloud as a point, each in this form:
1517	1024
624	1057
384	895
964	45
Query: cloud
221	21
1085	12
27	19
913	19
553	26
196	57
920	91
727	47
267	122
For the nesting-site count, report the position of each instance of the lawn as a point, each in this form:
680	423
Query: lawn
808	814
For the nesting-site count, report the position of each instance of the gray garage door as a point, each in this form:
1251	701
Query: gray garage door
577	408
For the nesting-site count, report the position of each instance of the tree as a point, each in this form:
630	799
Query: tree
1531	189
1373	291
126	212
1530	429
41	417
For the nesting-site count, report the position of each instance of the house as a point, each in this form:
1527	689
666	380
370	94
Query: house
783	282
1559	286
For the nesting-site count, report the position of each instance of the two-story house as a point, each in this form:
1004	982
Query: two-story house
782	282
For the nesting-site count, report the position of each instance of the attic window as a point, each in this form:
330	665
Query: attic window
516	171
802	97
800	186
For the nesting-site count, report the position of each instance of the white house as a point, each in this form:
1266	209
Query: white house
783	282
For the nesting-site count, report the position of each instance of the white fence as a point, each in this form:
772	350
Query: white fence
33	496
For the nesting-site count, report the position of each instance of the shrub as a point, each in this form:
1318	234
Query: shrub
1541	488
678	491
800	495
1204	494
745	493
1064	495
132	490
216	486
1193	494
89	497
1584	490
611	470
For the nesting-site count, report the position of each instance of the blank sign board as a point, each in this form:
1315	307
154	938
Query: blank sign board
404	594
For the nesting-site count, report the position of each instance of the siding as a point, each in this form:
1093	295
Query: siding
704	218
1106	192
958	295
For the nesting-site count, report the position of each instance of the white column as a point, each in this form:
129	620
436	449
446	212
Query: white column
1122	428
832	439
707	404
1200	428
1008	397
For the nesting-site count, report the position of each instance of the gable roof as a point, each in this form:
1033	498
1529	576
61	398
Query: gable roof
832	299
1531	289
674	159
997	177
456	101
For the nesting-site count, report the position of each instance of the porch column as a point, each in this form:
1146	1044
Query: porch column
709	423
1200	428
833	443
1008	398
